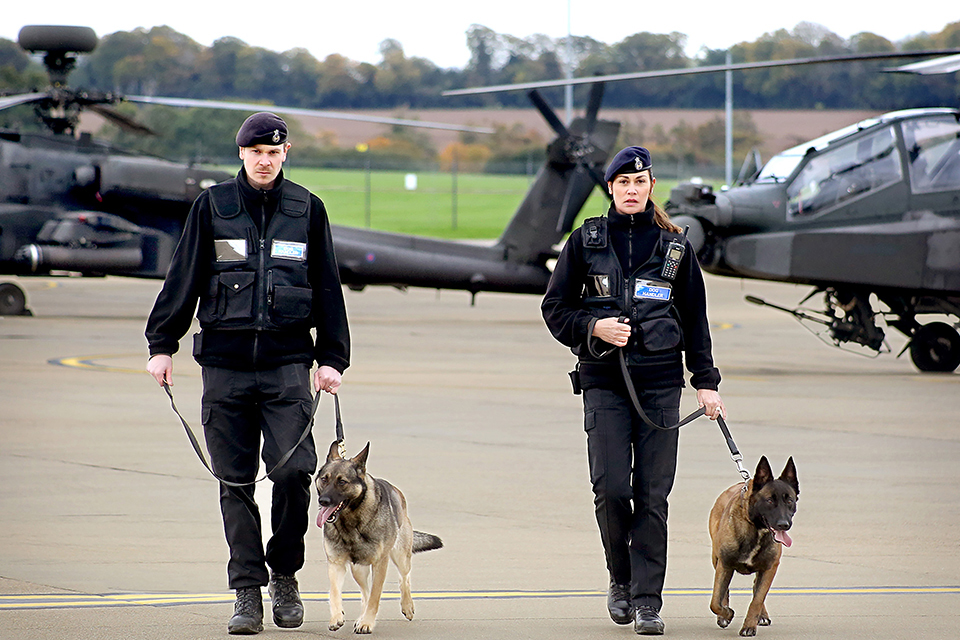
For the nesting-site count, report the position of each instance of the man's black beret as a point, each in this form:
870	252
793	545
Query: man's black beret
262	128
628	160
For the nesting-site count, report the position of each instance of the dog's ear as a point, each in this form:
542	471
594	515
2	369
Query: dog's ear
334	453
763	475
789	475
361	460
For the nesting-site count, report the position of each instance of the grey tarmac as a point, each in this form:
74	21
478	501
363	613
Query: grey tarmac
110	526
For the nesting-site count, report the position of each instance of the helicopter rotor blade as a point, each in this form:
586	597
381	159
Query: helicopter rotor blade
567	214
124	122
598	178
334	115
24	98
548	114
593	105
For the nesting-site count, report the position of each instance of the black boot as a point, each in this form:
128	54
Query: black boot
618	603
285	596
648	622
247	612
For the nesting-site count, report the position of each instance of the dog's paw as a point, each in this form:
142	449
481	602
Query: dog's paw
336	622
363	627
407	612
725	617
764	621
748	632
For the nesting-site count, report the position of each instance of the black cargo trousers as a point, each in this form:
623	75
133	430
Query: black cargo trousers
632	469
238	407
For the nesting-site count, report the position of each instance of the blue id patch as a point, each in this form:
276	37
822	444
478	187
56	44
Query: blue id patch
651	290
288	250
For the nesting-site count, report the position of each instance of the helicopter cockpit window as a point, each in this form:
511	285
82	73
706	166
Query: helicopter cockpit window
933	147
847	171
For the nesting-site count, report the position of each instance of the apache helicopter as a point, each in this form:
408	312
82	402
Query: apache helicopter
869	211
73	204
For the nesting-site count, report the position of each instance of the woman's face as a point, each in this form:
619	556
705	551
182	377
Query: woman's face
631	191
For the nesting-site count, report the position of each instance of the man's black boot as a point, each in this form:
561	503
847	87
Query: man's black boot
648	622
618	603
285	598
247	612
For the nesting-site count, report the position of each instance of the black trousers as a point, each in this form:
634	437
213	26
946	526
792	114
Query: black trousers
238	408
632	469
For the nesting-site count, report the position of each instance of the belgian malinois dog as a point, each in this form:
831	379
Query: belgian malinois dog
365	524
748	528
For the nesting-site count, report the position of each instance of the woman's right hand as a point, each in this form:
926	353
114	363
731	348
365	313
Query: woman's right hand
613	331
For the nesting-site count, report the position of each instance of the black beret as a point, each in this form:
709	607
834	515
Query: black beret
262	128
628	160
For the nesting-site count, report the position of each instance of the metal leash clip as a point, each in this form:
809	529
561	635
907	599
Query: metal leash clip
738	459
341	447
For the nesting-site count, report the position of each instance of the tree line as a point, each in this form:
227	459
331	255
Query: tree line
161	61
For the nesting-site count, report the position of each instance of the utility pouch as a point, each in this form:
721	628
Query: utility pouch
575	381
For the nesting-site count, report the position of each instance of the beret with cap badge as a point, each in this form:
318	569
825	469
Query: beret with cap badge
628	160
262	128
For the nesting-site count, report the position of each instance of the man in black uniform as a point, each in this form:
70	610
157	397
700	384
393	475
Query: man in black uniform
257	254
629	281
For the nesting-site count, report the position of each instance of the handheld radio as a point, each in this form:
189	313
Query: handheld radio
671	261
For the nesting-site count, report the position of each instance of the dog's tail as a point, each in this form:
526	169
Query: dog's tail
425	542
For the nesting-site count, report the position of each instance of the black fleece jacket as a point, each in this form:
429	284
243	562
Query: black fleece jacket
634	238
189	274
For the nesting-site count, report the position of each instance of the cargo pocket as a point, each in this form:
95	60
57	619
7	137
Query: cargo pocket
659	334
209	309
236	295
292	303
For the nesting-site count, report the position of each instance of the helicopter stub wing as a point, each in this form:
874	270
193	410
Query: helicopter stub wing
918	255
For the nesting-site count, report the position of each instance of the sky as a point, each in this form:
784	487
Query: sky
437	30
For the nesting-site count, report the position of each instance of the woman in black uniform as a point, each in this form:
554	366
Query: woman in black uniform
627	296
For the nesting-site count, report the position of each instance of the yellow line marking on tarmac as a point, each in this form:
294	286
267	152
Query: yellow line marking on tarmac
88	362
68	601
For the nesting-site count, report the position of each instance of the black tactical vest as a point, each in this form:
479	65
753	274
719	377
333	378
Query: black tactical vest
644	296
258	282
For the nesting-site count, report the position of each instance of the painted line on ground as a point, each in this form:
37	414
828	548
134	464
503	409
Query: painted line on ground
89	363
71	601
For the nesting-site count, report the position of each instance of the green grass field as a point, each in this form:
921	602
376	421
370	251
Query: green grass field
484	203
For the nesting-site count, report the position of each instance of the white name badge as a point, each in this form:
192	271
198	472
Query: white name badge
230	250
288	250
650	290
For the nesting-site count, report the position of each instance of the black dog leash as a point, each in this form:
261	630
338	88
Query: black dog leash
282	461
734	451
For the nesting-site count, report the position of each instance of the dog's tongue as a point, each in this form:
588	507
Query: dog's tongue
325	513
782	537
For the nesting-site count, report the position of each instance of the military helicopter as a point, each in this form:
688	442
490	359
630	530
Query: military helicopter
868	214
74	204
869	211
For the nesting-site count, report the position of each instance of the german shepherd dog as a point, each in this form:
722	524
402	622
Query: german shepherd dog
365	524
748	529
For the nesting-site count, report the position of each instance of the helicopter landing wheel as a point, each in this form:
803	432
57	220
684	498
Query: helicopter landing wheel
13	301
936	347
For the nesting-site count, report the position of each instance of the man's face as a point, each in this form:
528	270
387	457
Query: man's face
262	163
